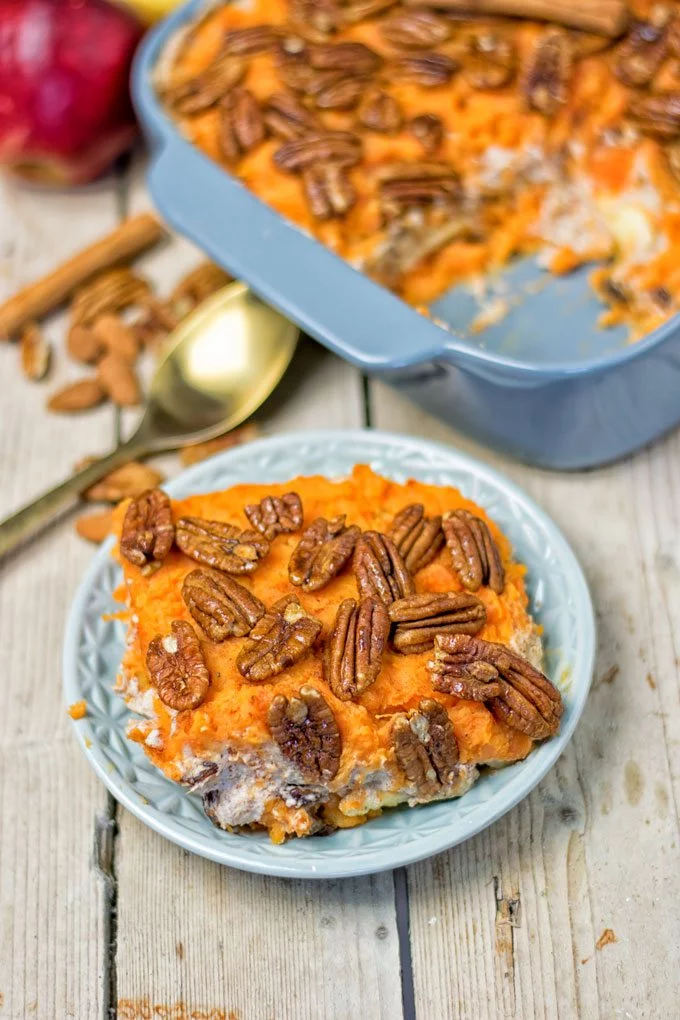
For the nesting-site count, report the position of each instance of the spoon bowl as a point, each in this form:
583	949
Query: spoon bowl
216	369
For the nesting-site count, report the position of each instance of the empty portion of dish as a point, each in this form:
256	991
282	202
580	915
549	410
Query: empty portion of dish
306	655
427	146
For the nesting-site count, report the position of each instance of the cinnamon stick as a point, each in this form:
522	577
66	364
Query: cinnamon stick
38	299
603	17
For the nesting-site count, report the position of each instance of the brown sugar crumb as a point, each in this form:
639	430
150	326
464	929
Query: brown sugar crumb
605	938
77	710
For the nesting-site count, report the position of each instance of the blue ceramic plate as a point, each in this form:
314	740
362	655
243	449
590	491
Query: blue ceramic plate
560	601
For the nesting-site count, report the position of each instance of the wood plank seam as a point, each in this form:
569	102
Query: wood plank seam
401	903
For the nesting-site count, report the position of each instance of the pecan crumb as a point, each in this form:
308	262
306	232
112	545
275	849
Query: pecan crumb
177	668
285	633
307	734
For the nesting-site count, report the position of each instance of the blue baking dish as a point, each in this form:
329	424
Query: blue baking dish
544	385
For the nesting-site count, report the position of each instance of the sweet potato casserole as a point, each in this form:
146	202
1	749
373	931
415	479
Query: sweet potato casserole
430	142
305	655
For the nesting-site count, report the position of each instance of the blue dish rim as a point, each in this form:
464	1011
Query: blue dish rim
162	133
518	785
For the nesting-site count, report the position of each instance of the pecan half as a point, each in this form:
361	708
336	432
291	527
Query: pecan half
148	532
328	190
315	19
242	126
245	42
342	94
428	129
641	54
220	545
474	554
220	605
354	649
322	552
491	62
419	618
177	667
425	747
275	515
380	112
307	734
288	118
429	70
417	537
350	57
339	147
657	115
546	75
407	184
379	569
417	28
517	693
280	639
200	92
359	10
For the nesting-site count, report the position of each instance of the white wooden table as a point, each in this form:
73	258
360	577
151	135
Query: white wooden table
98	915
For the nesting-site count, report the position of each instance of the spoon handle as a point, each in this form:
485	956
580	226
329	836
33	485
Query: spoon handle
35	515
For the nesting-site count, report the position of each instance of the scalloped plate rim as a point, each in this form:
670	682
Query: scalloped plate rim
518	780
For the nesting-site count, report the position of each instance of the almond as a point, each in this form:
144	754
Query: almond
95	527
78	396
83	344
118	379
116	337
199	451
35	353
125	482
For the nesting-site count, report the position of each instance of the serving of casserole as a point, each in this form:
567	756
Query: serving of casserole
305	655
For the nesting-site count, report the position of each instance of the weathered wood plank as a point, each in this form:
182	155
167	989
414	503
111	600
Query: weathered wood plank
213	939
52	909
507	924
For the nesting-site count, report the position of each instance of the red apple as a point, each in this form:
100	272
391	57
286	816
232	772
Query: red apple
65	110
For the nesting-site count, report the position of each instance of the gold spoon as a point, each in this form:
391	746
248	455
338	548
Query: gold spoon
219	366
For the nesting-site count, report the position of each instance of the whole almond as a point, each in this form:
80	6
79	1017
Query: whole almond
118	378
35	353
79	396
95	527
125	482
116	337
83	344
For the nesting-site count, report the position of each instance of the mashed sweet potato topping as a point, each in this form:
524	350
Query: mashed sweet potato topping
231	722
537	138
